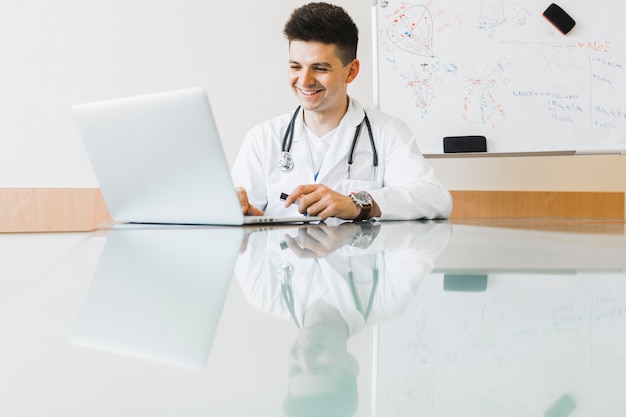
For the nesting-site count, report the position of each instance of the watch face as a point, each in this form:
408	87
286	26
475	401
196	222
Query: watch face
363	198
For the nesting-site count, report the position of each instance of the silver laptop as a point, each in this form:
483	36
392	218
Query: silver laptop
158	159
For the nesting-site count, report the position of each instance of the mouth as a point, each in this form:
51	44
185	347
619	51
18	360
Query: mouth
310	340
309	92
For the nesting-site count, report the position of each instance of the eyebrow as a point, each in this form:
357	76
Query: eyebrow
319	64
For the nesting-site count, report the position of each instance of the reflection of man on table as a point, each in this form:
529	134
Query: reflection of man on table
331	281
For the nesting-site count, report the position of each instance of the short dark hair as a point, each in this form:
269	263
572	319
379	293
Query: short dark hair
325	23
342	401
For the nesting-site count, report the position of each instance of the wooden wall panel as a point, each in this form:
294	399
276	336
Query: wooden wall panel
83	209
51	209
525	204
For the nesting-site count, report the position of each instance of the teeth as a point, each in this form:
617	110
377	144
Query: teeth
308	93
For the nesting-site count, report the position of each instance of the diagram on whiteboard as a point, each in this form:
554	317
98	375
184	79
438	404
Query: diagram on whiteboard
481	99
412	31
498	68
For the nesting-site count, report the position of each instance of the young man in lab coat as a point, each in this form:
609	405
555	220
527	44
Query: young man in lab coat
331	156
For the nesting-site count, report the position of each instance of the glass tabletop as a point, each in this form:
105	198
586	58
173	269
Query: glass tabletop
344	319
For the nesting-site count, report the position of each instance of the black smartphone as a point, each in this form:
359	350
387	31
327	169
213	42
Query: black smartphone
559	18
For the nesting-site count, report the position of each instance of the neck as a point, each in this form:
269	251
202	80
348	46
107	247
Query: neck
321	123
321	314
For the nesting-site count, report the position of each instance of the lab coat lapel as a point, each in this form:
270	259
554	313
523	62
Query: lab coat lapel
337	157
300	148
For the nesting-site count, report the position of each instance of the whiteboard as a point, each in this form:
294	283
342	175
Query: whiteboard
513	349
499	69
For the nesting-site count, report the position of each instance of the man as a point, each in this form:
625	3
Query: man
331	282
335	159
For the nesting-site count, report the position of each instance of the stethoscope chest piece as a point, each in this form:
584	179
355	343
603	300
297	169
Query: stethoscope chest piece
285	162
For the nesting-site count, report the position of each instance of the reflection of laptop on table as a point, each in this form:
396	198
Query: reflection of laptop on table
158	292
159	159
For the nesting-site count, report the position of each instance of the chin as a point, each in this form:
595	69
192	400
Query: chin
309	106
308	103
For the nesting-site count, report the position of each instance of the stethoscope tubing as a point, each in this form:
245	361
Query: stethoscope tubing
286	163
288	137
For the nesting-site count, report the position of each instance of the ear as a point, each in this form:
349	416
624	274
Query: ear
352	365
355	65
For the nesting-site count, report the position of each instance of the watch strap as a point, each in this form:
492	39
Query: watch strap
365	209
365	213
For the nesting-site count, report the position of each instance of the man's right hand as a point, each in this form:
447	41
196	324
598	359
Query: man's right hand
246	208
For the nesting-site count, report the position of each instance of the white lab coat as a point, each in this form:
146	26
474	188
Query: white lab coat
403	185
403	254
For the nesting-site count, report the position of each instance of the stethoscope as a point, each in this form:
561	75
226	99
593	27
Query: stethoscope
285	274
285	162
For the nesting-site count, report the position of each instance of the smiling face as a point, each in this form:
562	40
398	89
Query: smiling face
319	78
318	360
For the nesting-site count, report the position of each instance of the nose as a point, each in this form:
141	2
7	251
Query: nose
306	77
306	360
305	356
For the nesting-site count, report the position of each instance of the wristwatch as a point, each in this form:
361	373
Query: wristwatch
362	200
365	236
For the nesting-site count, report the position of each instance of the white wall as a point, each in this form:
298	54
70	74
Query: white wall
59	53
